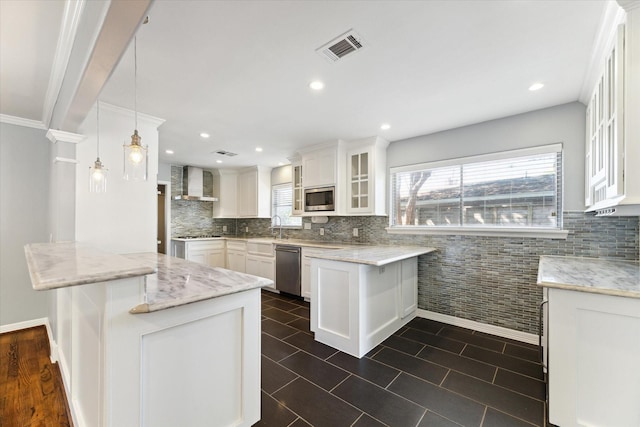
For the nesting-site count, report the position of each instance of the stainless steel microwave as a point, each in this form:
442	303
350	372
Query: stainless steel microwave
320	199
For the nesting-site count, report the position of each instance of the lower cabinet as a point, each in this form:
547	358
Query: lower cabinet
594	346
237	256
305	279
262	266
207	252
357	306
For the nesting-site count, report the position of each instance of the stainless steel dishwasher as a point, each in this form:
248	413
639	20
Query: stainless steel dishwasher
288	269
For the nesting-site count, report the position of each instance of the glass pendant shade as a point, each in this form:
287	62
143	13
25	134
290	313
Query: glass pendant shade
135	159
98	177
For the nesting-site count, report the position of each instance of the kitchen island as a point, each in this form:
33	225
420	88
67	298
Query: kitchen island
362	295
147	340
593	340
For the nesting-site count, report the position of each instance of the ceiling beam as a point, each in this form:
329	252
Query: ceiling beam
103	35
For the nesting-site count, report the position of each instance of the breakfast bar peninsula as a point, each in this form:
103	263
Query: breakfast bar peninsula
147	340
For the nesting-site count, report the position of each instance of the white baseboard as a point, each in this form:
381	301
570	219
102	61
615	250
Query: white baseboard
481	327
44	321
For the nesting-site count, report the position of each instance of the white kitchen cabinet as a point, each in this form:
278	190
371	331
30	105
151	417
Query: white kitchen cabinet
298	190
207	252
320	167
254	192
357	306
305	279
262	266
225	185
366	172
594	343
612	156
237	255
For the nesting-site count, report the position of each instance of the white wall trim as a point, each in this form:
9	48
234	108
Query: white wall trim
65	160
19	121
534	233
156	121
56	136
480	327
26	324
69	28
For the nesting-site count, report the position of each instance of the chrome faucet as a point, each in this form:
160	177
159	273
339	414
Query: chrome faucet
273	224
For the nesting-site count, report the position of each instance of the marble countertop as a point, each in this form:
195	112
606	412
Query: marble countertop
58	265
178	282
603	276
374	255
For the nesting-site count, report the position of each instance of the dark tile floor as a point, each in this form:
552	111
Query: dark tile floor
426	374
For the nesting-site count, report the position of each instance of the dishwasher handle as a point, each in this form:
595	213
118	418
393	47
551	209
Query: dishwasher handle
290	249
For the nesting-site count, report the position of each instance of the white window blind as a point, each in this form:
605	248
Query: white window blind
282	205
520	188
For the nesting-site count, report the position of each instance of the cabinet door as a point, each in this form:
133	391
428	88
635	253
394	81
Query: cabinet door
360	182
298	193
248	194
320	168
201	256
236	261
216	258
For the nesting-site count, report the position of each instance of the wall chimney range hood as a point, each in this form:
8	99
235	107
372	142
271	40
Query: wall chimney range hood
193	185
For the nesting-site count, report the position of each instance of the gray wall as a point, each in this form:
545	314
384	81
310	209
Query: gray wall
562	123
24	208
164	172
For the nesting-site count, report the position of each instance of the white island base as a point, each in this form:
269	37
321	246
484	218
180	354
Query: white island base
354	307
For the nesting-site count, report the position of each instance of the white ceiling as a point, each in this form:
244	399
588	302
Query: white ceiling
239	70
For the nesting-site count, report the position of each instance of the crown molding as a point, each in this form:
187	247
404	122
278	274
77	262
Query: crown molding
629	5
155	121
19	121
69	28
613	16
62	136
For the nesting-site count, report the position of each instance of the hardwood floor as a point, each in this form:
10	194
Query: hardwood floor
31	390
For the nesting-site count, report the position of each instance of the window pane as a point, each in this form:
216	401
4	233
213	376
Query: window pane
517	192
427	197
282	205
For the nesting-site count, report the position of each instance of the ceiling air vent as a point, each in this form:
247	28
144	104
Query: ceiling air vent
225	153
341	46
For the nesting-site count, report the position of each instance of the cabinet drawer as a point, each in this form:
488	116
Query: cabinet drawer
236	246
260	248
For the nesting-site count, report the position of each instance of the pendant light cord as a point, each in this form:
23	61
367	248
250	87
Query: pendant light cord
98	129
135	80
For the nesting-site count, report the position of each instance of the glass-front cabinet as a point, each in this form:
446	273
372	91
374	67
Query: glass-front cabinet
298	193
366	177
359	181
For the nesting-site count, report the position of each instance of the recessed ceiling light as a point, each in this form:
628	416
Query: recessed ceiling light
218	161
385	126
316	85
168	151
280	164
259	149
205	135
536	86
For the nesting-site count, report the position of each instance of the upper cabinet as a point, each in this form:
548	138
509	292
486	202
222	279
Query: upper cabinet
366	172
321	166
298	190
254	192
226	190
612	151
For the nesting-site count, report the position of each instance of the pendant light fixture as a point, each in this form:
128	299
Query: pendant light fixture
98	173
135	154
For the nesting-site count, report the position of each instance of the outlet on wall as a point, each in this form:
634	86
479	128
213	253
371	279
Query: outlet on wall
322	231
246	229
224	228
307	226
355	232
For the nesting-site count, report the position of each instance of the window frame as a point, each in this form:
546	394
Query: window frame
556	232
